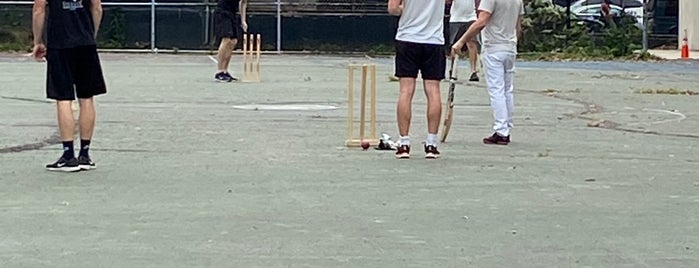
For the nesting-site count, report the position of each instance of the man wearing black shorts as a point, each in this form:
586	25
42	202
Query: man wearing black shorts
73	69
463	14
419	49
230	24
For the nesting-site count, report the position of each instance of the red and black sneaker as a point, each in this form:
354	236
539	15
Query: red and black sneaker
431	152
497	139
403	152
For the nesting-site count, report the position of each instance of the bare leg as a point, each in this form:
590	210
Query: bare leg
405	99
87	118
66	122
473	55
434	105
225	52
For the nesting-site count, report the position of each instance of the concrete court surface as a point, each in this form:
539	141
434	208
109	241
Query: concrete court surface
185	179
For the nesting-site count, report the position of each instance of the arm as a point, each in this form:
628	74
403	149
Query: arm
519	27
96	11
395	7
478	4
519	21
243	9
38	20
472	31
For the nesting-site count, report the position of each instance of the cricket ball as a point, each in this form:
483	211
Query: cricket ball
365	145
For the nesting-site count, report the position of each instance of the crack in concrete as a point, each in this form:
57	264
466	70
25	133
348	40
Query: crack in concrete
52	140
593	108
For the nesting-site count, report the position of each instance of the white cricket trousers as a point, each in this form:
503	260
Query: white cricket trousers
499	72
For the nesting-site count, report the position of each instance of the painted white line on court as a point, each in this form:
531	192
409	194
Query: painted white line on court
284	107
213	59
680	117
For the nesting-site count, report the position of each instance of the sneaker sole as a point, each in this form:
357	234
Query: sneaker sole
431	156
87	167
495	143
64	169
403	156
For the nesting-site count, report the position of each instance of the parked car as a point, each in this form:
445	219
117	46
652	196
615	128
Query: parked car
631	7
594	11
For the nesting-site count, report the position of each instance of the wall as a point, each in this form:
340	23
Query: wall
690	21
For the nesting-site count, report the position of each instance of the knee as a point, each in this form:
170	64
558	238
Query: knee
227	42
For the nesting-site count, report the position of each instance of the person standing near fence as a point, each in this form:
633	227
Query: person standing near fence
501	23
229	25
73	69
463	14
419	49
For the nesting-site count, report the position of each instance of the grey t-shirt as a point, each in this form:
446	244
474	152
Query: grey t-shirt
422	22
500	34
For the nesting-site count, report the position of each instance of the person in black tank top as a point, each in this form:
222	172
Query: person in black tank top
229	24
73	70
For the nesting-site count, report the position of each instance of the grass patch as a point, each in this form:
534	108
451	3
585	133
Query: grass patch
580	56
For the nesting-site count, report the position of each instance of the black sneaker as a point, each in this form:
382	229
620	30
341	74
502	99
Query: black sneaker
497	139
431	152
69	165
223	77
231	77
403	152
85	163
474	77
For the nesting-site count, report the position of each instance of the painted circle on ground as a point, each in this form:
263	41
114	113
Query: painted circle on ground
285	107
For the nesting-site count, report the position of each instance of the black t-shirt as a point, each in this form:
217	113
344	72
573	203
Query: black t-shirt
229	5
69	24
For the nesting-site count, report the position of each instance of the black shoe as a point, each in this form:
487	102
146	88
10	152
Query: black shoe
403	152
497	139
223	77
69	165
431	152
85	163
474	77
231	77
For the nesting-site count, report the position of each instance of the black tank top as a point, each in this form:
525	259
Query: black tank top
229	5
69	24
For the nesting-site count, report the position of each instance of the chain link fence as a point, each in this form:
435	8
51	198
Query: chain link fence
322	25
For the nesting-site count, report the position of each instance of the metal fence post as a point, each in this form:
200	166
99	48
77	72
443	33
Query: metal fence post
279	27
207	38
152	26
645	27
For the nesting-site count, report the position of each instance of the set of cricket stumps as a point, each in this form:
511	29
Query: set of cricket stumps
363	74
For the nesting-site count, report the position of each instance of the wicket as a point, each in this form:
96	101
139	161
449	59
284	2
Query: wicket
251	57
373	139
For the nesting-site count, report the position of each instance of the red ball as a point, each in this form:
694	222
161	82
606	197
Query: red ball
365	145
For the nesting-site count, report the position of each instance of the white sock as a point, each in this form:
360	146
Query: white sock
431	140
404	140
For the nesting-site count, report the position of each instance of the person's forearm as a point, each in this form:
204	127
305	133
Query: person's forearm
38	19
242	7
472	31
96	10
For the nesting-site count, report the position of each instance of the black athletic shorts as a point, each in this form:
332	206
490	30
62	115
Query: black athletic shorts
427	59
227	25
457	30
74	72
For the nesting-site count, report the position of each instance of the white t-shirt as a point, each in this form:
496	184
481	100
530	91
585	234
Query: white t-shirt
500	34
422	22
462	11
